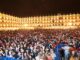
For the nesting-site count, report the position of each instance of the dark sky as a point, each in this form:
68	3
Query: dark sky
39	7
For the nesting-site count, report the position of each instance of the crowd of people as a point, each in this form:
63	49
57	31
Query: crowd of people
40	45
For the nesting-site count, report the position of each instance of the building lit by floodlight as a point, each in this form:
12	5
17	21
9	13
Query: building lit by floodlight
68	21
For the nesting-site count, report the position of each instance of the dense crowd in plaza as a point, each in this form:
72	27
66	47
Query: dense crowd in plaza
40	45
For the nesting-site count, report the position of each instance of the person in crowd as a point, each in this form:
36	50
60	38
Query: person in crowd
40	45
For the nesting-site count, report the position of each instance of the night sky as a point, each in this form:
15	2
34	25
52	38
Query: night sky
24	8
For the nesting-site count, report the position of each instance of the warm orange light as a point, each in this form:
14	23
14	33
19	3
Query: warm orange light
70	24
69	21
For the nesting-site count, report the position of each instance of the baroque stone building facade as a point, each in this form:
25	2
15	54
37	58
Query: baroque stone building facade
66	21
